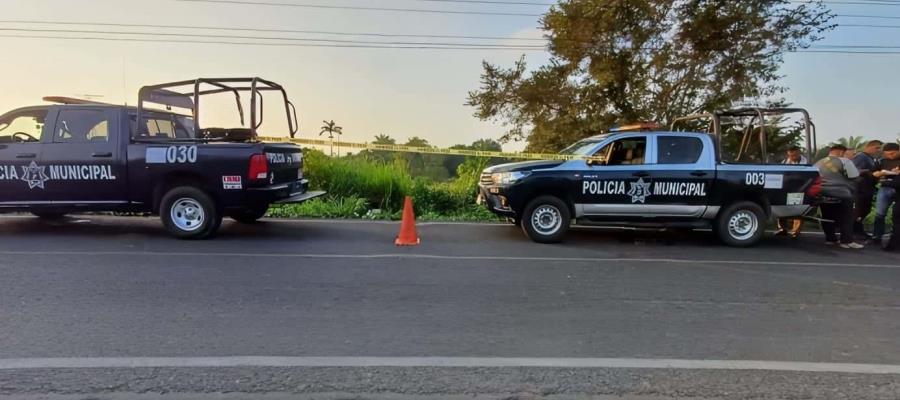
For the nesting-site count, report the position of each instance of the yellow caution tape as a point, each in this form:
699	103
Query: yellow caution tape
422	150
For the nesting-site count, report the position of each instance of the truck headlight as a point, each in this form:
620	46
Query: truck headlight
507	178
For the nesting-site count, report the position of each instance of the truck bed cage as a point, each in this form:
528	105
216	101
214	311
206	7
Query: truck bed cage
186	94
758	116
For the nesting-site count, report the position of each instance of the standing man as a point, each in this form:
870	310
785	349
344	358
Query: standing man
866	163
886	171
894	243
791	226
838	184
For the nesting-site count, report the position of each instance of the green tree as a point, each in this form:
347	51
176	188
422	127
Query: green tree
331	129
853	142
622	61
377	155
425	165
452	162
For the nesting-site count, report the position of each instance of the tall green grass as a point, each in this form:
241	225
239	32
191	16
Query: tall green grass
382	185
357	187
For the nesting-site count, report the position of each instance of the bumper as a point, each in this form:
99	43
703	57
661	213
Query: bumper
289	192
495	201
301	197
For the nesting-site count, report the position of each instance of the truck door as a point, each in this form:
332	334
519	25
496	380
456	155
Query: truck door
682	176
21	177
83	159
617	183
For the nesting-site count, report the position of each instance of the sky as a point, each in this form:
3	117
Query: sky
398	92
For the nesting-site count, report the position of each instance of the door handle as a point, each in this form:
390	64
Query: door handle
641	174
698	173
26	155
99	155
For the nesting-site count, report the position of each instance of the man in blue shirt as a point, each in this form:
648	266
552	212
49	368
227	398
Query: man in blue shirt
865	191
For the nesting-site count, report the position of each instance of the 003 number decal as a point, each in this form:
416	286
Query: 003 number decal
755	178
181	154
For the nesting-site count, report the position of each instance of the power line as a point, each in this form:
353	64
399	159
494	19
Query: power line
222	28
868	26
190	35
826	49
867	16
848	52
858	3
353	46
518	3
412	10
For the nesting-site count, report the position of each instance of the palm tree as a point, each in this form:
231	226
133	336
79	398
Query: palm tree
853	142
332	129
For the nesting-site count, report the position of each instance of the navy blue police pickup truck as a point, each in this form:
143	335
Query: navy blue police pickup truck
660	179
84	156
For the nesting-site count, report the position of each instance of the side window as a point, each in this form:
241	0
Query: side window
160	126
678	150
23	128
628	151
76	126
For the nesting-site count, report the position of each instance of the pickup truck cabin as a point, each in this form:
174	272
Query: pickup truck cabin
85	156
655	178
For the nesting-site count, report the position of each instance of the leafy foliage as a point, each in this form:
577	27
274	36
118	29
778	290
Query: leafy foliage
330	207
621	61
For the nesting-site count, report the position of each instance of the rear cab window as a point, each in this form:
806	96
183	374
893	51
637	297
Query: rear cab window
162	126
678	150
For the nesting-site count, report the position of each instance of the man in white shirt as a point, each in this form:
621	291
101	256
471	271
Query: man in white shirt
791	226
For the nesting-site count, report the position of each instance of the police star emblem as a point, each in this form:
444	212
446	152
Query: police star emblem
639	191
34	175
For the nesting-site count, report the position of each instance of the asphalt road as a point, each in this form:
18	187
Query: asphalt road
100	287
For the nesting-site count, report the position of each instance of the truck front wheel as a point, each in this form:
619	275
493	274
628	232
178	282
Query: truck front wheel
741	224
249	215
546	219
189	213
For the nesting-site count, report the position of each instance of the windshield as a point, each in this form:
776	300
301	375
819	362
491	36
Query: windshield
581	148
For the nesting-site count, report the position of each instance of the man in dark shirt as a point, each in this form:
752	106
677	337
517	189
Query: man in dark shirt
887	172
838	184
865	191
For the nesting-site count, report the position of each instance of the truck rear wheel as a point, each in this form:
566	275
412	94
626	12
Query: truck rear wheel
249	215
546	219
189	213
741	224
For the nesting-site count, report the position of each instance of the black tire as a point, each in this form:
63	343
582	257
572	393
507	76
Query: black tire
546	219
189	213
249	215
741	224
49	215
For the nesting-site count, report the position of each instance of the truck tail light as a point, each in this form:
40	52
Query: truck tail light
259	167
815	188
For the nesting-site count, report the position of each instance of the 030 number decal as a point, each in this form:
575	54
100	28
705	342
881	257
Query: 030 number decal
181	154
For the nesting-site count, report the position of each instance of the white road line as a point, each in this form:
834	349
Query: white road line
459	362
442	257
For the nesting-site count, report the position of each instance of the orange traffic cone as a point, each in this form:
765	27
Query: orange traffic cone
408	235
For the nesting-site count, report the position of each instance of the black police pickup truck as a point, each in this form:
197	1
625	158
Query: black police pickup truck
659	179
85	156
